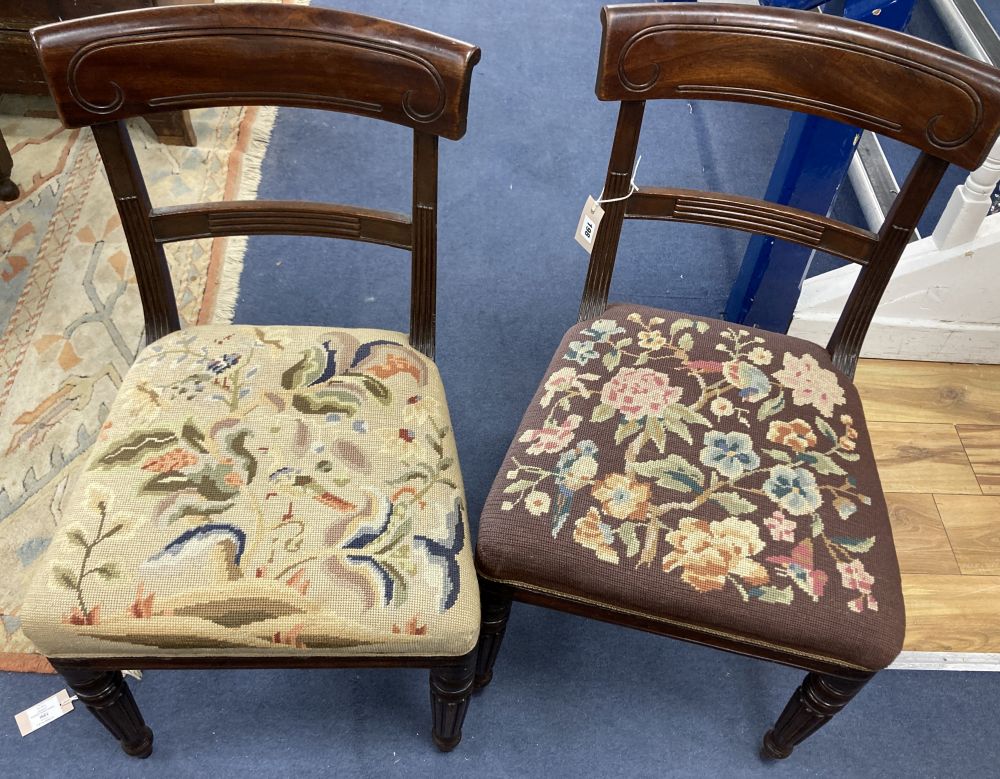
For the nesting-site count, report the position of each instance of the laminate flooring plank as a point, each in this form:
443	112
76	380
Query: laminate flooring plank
910	391
982	446
920	457
973	526
952	613
920	537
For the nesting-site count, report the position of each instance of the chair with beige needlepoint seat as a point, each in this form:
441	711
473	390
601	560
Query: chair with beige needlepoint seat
264	497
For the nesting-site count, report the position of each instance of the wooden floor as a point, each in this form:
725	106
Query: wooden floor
935	428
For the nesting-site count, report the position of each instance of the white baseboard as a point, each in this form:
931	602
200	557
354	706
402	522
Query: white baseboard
897	338
946	661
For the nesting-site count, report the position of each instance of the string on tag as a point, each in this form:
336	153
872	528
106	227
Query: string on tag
633	187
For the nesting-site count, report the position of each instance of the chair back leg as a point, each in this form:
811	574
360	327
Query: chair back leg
496	611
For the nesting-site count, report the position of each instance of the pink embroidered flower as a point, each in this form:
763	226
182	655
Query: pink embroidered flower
564	380
782	529
552	439
854	577
810	384
640	392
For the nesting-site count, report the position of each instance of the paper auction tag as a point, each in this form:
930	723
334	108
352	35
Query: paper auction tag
590	220
43	712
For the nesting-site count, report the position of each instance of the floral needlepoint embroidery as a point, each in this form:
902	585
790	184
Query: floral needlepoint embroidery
731	454
552	439
686	447
797	434
712	553
320	510
782	529
595	534
640	392
810	384
622	497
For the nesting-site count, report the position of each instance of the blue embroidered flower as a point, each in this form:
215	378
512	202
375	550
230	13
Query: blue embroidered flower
581	352
794	489
224	363
731	454
601	330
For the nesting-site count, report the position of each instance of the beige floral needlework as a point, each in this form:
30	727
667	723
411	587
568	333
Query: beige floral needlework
262	490
760	438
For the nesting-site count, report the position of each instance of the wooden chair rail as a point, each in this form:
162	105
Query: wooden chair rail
752	215
280	217
208	662
683	632
893	84
128	64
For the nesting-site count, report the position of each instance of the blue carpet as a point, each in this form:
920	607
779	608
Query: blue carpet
571	697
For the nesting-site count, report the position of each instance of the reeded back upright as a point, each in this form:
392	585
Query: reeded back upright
923	95
105	69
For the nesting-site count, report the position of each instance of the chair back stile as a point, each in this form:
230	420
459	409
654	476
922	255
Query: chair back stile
923	95
104	70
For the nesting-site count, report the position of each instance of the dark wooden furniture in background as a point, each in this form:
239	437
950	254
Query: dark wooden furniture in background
21	74
364	66
944	104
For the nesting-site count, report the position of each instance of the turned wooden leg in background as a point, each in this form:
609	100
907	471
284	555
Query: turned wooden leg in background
173	128
8	189
451	686
812	705
496	612
109	699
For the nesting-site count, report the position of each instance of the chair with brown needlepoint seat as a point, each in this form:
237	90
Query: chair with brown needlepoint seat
708	481
264	497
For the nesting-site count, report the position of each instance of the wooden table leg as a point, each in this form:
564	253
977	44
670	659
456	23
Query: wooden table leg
173	128
8	189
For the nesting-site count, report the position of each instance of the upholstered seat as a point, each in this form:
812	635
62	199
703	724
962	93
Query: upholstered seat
260	490
707	475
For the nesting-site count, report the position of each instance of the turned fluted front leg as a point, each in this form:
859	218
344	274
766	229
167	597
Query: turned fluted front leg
496	611
108	698
451	686
812	705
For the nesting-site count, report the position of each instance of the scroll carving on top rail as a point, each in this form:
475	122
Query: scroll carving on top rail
78	65
640	83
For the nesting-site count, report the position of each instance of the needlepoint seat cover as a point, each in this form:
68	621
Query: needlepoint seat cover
266	490
707	475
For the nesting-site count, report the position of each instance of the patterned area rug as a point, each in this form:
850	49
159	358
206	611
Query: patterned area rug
69	307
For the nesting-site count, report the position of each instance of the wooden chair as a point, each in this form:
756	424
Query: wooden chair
708	481
264	497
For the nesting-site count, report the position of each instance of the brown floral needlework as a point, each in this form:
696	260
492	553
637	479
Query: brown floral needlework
698	470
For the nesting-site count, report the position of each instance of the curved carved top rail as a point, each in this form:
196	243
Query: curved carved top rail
921	94
105	68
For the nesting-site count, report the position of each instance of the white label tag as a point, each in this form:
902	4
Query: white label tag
590	221
43	712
